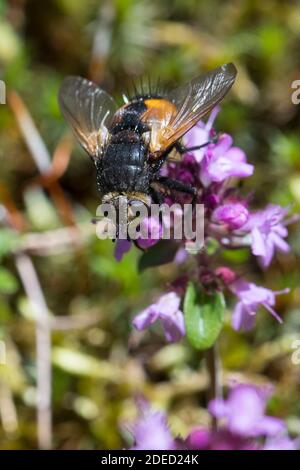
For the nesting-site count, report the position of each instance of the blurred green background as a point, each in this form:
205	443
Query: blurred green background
99	363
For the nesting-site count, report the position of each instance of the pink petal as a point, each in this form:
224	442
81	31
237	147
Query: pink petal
223	145
146	318
174	328
270	426
258	243
241	318
237	155
218	408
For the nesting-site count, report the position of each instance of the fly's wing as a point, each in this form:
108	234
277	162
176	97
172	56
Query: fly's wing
89	111
190	103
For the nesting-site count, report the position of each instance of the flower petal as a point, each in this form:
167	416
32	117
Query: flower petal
218	408
241	318
151	431
270	426
173	325
146	318
122	247
258	243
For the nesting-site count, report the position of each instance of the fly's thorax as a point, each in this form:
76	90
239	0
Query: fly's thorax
129	118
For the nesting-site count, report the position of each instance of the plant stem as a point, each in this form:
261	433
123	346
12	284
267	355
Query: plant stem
34	292
214	372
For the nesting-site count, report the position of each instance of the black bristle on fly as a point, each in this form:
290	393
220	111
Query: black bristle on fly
146	88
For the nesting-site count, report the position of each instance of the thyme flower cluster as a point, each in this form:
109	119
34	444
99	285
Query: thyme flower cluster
230	223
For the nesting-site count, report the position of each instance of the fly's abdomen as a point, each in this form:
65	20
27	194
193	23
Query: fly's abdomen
122	167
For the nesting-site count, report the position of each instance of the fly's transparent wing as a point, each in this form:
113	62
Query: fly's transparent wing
190	103
196	99
89	110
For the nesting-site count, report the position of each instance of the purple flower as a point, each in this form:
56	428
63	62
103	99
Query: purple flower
152	230
200	134
251	297
151	431
181	256
245	426
233	215
151	227
226	275
122	247
222	161
282	442
198	439
203	439
166	309
268	231
244	412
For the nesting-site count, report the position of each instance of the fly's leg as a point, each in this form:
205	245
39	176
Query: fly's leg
179	186
157	197
182	149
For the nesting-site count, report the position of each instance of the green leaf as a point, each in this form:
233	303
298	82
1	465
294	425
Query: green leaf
8	282
237	256
211	246
204	316
162	252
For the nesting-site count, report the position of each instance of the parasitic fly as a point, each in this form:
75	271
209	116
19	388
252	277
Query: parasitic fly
130	144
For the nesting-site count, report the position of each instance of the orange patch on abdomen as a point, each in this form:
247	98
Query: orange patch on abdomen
159	107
